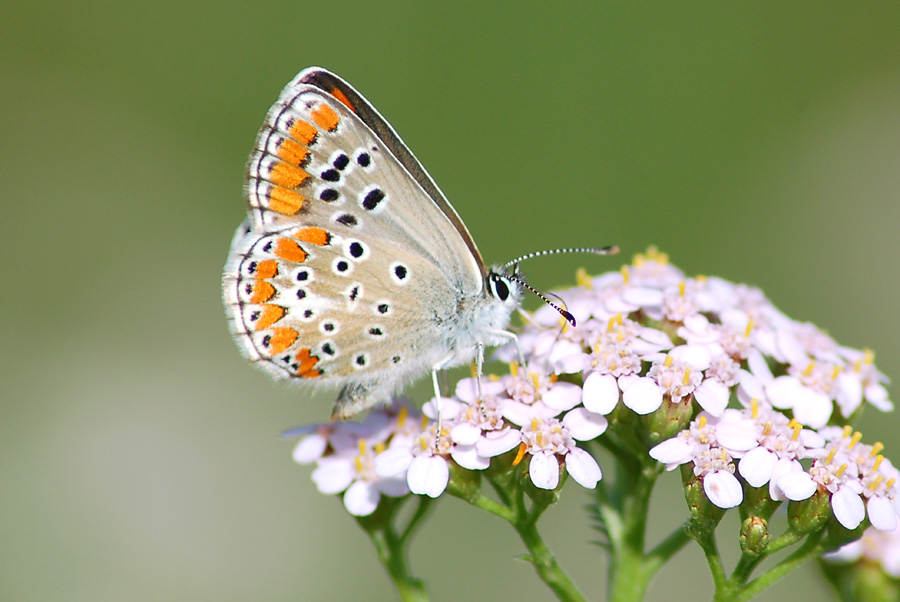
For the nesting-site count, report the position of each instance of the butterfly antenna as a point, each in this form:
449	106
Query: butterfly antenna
611	250
518	278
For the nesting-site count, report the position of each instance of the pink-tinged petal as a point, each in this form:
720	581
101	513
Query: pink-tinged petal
848	393
465	433
878	397
764	341
790	348
757	465
393	462
393	487
783	466
571	364
521	414
643	396
723	489
343	439
626	380
881	513
697	324
848	508
784	391
749	388
737	436
467	456
544	470
642	297
695	356
449	408
361	499
376	427
583	468
851	552
673	452
584	425
428	475
811	439
467	389
736	318
601	393
562	351
334	475
309	449
494	443
562	396
813	408
712	395
890	561
758	366
797	485
651	340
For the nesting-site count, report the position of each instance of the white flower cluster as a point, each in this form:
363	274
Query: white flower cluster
767	387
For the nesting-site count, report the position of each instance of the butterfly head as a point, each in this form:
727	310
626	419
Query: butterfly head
504	287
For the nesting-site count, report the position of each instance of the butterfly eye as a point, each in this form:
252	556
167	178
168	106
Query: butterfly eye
499	287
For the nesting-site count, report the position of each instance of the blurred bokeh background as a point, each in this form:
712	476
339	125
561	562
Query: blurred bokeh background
139	457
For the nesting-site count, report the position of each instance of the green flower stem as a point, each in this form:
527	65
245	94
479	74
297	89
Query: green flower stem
623	510
391	547
811	549
545	563
479	500
706	538
516	512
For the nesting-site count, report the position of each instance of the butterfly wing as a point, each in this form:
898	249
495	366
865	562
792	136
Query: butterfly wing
338	88
309	303
338	229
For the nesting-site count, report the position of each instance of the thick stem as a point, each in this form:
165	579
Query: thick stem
391	547
623	512
393	556
544	562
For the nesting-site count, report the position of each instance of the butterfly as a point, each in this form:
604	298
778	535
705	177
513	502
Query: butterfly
352	269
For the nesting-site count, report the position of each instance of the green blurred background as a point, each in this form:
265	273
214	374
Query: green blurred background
139	452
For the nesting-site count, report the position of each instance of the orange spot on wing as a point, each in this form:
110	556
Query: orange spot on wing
267	268
307	364
287	175
262	292
292	152
270	314
325	117
282	338
303	132
313	235
289	250
339	94
284	201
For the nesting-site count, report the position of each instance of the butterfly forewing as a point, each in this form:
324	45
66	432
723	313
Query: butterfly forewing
341	90
345	255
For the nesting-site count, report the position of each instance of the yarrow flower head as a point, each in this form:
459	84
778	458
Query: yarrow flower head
697	373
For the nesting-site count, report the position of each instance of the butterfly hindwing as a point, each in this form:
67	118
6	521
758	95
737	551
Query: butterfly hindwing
352	269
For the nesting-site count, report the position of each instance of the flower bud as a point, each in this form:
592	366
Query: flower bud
755	535
669	420
810	515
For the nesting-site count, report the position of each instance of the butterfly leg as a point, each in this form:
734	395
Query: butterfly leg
479	369
510	336
437	388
